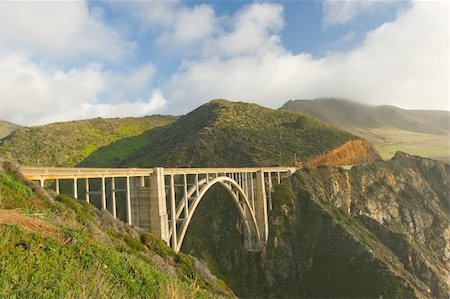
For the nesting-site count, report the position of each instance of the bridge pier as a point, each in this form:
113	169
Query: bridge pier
261	207
158	218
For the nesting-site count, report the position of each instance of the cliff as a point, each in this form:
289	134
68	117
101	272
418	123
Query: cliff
352	152
375	230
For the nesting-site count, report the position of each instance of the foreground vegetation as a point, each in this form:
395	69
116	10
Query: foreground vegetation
59	247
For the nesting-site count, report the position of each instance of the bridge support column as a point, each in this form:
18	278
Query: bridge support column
113	197
261	208
75	188
86	194
158	210
57	186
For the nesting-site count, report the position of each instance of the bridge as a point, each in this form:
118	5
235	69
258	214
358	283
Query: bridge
163	200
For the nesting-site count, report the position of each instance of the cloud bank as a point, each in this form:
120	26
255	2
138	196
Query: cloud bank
403	63
63	61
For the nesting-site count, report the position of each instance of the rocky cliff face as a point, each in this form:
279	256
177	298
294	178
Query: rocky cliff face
375	230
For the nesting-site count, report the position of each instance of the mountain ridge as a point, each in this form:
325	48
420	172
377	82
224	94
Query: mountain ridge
231	134
7	128
389	128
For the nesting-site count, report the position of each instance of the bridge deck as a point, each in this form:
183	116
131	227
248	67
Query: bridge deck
46	173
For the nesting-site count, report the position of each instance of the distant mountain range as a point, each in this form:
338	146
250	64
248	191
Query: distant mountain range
389	128
6	128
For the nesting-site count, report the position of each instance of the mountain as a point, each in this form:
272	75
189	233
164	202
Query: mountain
379	228
375	231
53	246
223	133
422	132
7	128
69	143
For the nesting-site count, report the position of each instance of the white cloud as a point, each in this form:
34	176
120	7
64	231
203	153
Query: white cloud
59	30
342	11
32	94
403	63
254	30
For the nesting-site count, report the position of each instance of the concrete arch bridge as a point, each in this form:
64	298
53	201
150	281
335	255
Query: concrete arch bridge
164	200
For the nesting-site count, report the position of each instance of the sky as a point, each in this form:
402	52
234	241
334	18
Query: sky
68	60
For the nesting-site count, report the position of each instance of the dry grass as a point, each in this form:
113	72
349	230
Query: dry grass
28	223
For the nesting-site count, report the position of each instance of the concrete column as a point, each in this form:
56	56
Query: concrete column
142	181
41	183
75	188
103	193
186	201
270	190
261	207
196	185
128	200
279	177
252	192
57	186
113	197
87	190
173	214
158	209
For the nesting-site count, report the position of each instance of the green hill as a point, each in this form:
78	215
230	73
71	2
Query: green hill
7	128
69	143
56	247
420	132
224	133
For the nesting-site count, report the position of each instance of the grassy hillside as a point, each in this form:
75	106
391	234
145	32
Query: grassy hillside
6	128
420	132
223	133
69	143
57	247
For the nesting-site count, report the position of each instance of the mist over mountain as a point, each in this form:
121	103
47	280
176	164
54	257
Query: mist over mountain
389	128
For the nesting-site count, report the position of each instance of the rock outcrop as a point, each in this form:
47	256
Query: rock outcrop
380	229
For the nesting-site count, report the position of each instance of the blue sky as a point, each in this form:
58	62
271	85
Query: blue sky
74	60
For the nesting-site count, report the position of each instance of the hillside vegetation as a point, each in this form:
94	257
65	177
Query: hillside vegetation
69	143
56	247
224	133
7	128
390	129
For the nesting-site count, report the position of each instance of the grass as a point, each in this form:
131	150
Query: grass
388	141
59	249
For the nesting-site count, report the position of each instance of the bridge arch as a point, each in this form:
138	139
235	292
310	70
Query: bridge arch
241	201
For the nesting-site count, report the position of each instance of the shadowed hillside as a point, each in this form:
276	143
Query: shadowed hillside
389	128
7	128
68	143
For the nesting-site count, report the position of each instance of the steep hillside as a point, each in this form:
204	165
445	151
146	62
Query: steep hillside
389	128
375	230
69	143
6	128
223	133
56	247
